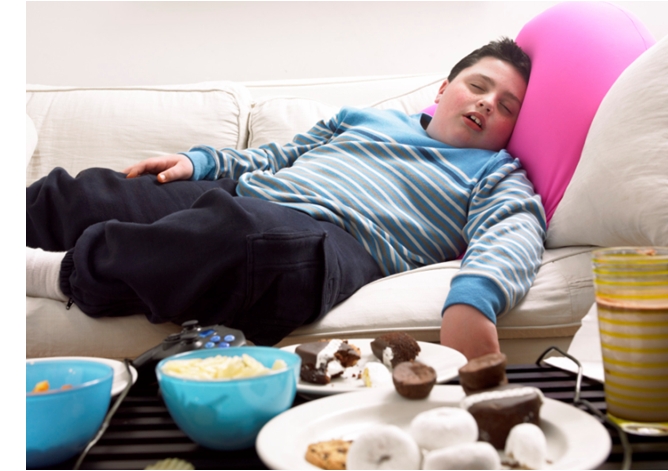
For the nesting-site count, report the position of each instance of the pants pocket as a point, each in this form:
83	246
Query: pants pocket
286	273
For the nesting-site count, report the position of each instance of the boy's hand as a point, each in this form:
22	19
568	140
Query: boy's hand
467	330
168	168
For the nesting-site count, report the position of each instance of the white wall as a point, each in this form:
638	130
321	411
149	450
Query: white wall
152	43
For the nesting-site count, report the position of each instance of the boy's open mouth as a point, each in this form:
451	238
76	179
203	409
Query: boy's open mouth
476	120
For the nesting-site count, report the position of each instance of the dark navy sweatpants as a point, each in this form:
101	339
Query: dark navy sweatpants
192	250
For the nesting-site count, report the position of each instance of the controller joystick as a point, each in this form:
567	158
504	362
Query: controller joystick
192	337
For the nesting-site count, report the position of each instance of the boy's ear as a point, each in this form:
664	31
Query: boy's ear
441	90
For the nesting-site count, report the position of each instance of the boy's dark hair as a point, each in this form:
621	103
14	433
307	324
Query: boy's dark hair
505	49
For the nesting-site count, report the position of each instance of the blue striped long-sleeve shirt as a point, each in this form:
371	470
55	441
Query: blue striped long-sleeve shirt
408	199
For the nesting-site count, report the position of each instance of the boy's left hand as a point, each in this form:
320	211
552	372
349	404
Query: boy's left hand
469	331
167	167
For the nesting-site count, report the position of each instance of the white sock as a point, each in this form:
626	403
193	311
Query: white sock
43	274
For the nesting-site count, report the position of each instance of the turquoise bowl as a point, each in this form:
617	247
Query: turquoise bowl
228	414
61	422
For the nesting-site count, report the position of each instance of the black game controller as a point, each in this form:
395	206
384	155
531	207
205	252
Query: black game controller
192	337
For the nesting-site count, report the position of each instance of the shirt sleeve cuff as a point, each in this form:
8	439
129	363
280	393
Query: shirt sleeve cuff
201	163
478	292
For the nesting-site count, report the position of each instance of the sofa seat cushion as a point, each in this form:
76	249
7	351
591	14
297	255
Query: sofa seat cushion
52	331
411	302
83	127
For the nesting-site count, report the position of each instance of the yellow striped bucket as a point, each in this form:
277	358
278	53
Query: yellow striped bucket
631	285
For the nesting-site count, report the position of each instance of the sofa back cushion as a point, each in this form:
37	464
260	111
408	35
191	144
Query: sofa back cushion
120	126
280	118
619	192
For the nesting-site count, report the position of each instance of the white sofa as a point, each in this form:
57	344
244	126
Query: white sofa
76	128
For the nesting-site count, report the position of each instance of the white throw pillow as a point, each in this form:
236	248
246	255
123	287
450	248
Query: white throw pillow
619	192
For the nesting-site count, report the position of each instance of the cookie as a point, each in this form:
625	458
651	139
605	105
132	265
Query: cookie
330	454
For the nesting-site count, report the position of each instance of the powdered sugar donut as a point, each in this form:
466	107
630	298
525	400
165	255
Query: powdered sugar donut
385	447
477	455
443	427
527	445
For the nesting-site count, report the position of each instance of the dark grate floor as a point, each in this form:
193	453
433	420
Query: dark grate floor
142	431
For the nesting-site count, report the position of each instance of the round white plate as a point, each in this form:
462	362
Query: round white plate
121	376
446	361
575	440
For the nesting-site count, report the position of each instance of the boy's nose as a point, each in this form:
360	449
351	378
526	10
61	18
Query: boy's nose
485	106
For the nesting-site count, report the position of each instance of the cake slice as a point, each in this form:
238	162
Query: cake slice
395	348
326	359
498	410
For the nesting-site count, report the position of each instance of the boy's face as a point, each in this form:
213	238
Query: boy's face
479	107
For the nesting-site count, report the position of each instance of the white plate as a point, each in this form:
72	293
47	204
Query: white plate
120	373
446	361
575	440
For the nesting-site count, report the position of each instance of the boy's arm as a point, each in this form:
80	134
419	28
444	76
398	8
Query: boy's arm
469	331
211	164
505	233
207	163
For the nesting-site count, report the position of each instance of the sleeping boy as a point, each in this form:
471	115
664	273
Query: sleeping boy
268	239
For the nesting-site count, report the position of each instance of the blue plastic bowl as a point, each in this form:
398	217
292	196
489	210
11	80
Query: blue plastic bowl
228	414
61	422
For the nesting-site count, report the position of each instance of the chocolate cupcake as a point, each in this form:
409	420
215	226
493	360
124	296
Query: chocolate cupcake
413	380
487	371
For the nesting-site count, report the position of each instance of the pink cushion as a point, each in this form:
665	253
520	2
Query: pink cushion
430	110
577	51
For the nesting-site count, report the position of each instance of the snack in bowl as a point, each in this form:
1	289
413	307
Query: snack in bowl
44	386
394	348
220	367
323	360
413	380
227	414
61	421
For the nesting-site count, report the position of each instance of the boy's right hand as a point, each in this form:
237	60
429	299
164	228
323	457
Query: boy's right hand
167	167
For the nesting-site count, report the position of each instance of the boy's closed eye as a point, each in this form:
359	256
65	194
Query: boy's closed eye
506	109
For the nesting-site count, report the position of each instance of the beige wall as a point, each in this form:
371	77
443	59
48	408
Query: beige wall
150	43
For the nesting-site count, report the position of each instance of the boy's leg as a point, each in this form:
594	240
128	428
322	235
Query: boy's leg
243	262
60	207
